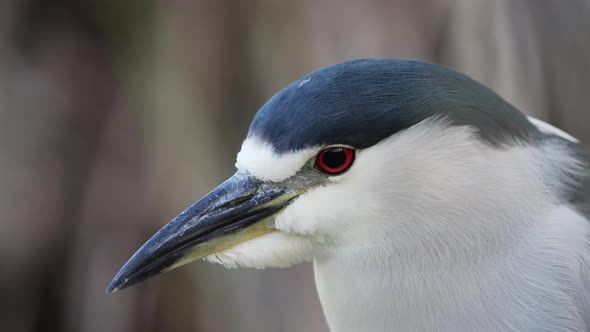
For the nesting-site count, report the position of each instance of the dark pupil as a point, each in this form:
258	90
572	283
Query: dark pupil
334	157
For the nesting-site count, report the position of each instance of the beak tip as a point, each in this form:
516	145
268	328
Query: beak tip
120	281
114	287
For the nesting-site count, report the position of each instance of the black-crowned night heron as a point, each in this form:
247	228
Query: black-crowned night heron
424	200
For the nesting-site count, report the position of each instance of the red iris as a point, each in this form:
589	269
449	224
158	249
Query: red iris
334	160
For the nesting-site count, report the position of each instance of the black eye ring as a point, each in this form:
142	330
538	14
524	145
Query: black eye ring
335	160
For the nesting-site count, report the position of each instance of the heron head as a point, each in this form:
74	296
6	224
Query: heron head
331	160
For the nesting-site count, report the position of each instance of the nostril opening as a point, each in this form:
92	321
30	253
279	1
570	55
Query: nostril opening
235	201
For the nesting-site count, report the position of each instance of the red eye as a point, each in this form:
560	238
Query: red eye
334	160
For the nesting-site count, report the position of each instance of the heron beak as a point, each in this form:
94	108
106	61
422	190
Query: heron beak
240	209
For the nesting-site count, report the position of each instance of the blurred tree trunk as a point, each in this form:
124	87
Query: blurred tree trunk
534	53
57	92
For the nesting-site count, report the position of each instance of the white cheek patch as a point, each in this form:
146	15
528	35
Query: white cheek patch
260	159
270	250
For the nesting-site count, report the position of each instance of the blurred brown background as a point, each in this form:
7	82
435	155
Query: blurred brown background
115	115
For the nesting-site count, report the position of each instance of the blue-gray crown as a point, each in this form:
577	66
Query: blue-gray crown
361	102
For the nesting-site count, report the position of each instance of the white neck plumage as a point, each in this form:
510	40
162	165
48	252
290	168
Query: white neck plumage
520	287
